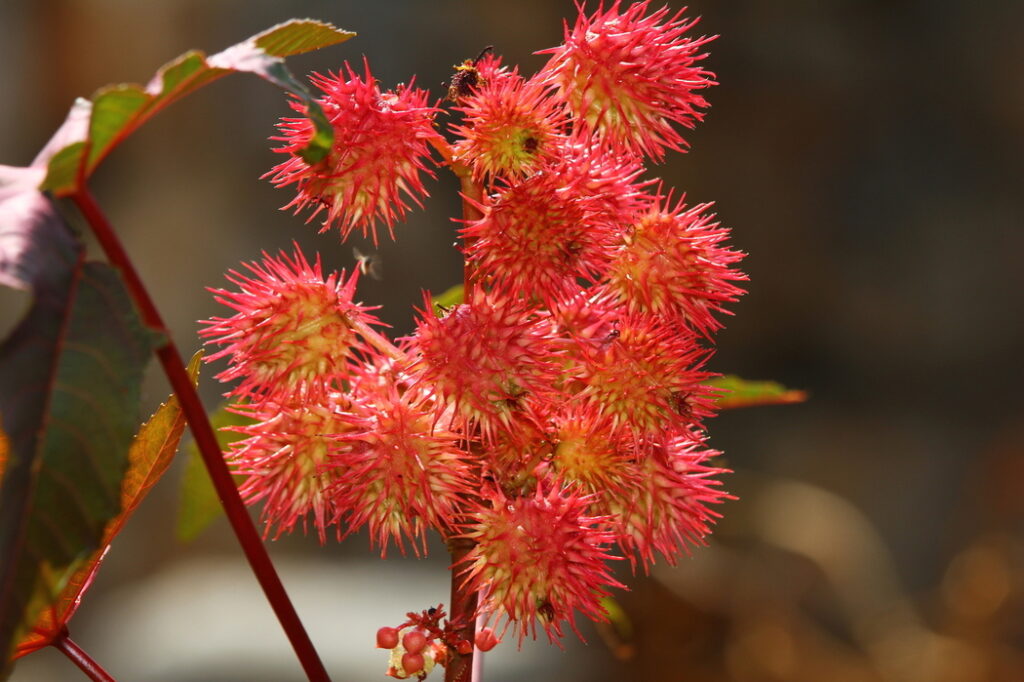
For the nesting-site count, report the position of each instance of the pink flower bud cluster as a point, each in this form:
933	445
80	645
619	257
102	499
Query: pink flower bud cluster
555	419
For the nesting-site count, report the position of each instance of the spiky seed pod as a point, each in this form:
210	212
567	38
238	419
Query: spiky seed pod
510	127
400	472
610	176
539	558
537	238
673	263
645	377
627	77
292	334
380	151
666	509
592	454
517	456
285	459
488	358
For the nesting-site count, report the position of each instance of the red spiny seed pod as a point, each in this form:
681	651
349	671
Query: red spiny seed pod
645	377
292	333
539	558
538	238
666	507
609	176
591	453
672	263
285	459
488	358
381	148
626	77
399	471
510	127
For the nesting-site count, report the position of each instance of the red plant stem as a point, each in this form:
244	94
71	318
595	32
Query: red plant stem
471	192
462	613
463	601
93	670
472	196
199	424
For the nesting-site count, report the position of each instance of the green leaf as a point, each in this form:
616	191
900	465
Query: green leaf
199	505
118	110
737	392
449	299
298	36
618	617
150	455
70	379
62	170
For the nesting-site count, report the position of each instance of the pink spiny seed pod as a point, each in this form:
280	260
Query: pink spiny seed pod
591	453
672	263
513	453
609	176
381	148
539	557
645	376
293	331
627	77
488	357
285	459
666	508
510	127
538	237
399	471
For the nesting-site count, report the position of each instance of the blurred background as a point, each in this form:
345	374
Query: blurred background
868	156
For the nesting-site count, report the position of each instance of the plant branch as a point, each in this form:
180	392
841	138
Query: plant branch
378	341
462	613
463	602
93	670
472	195
199	424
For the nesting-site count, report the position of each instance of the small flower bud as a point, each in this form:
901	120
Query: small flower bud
486	639
412	663
414	642
387	638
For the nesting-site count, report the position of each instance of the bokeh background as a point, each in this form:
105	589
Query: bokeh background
868	156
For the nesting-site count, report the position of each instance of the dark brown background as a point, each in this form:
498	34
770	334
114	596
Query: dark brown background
868	156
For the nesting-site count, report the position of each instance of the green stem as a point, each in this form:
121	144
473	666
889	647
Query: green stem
199	424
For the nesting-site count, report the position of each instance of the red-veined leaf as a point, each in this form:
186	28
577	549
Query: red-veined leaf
70	380
151	453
